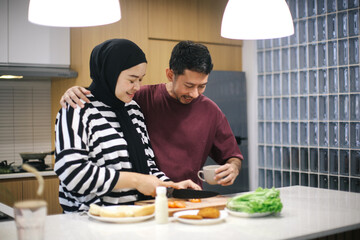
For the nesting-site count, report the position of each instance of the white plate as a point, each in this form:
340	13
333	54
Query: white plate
244	214
121	219
177	215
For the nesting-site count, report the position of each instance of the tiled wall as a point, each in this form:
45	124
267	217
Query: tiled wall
309	99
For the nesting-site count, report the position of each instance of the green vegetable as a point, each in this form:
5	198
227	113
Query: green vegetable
260	201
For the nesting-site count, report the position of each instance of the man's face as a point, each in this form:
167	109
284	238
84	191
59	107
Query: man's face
188	86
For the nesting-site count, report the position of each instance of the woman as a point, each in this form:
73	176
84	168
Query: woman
103	153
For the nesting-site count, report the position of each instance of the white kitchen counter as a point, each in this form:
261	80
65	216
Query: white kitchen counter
307	213
26	175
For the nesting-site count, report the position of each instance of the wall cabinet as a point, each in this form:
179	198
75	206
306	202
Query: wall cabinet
3	31
25	43
196	20
12	190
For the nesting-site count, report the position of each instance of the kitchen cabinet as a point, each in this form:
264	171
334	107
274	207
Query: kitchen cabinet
3	31
175	21
25	43
12	190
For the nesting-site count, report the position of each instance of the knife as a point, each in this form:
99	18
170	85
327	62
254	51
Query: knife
189	193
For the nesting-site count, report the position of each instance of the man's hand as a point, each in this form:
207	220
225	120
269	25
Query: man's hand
73	95
227	173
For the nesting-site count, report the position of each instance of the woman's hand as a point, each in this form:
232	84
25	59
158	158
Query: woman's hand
185	184
73	95
149	183
146	184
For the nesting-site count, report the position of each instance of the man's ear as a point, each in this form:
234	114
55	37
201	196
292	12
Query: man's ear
170	74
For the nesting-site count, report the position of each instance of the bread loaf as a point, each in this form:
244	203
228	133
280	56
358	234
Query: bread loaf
144	210
121	211
94	209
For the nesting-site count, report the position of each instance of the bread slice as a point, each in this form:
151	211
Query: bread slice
94	209
122	211
144	210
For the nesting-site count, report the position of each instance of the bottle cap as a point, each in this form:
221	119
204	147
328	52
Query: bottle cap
160	190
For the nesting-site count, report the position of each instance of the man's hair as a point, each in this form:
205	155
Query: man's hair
187	55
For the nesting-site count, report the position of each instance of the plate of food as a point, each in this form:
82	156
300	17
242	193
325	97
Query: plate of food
245	214
260	203
121	213
204	216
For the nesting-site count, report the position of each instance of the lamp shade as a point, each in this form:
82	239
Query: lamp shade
74	13
256	19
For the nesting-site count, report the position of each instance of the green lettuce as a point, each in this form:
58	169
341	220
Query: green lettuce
259	201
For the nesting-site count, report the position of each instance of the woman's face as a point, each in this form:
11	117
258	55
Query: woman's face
129	82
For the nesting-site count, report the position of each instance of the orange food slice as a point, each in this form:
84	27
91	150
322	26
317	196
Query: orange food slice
171	204
176	204
180	204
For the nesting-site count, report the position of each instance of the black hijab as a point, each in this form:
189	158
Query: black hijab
107	61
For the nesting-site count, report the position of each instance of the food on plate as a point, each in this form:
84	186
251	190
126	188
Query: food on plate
195	200
259	201
94	209
144	210
121	211
191	216
209	212
176	204
203	213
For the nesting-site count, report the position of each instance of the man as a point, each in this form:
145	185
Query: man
185	127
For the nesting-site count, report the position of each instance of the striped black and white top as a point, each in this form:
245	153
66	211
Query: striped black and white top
90	152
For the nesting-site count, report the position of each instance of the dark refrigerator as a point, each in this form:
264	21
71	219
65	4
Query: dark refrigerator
228	90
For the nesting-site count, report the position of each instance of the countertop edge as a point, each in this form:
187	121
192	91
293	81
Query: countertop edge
329	232
7	210
26	175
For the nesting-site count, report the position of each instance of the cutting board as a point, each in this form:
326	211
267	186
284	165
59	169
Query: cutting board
218	202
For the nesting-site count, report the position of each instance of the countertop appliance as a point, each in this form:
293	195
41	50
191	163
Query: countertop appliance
36	160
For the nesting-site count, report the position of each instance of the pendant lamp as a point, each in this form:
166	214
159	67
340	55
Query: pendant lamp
74	13
256	19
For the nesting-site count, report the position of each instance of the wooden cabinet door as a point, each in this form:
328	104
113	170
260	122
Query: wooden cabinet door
50	195
196	20
10	191
173	20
